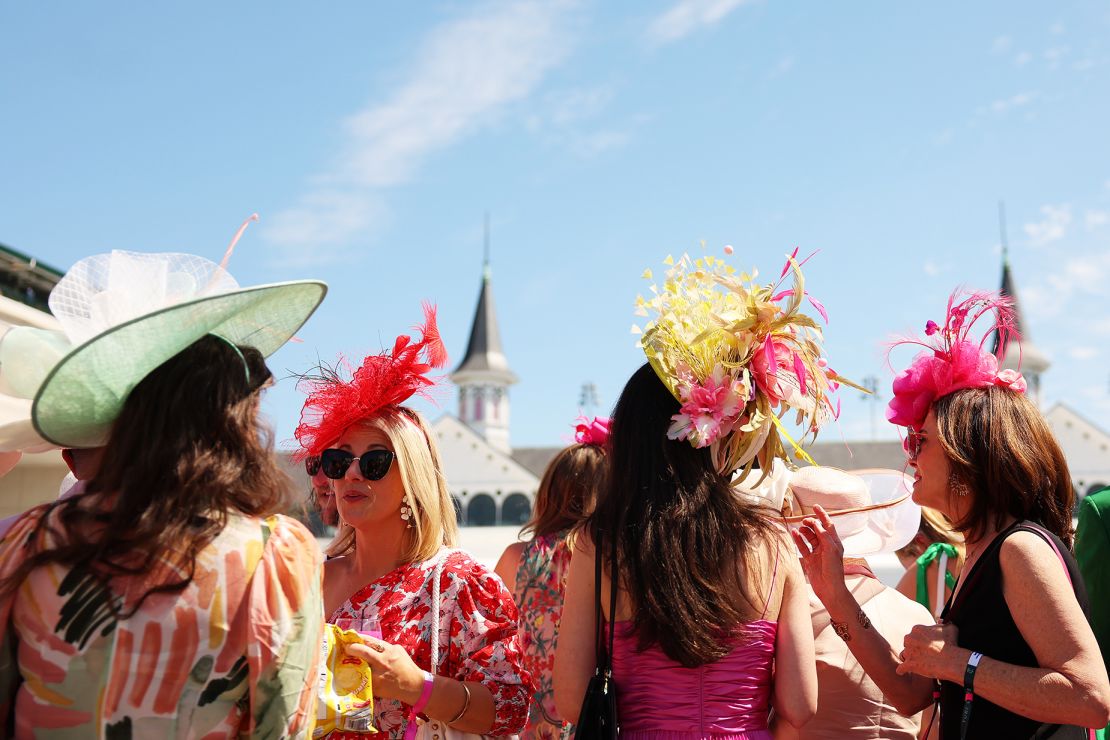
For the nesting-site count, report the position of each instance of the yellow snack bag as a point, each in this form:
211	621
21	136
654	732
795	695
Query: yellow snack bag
345	683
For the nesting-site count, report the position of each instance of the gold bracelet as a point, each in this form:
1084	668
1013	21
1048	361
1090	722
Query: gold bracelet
465	706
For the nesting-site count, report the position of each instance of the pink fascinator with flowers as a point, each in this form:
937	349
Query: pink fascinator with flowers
953	360
739	356
386	379
593	431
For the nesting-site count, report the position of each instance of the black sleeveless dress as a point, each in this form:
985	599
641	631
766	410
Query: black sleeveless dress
986	626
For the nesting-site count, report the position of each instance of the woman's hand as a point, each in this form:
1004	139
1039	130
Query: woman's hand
822	556
931	650
395	675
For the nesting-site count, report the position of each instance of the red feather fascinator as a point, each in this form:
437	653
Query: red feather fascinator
386	379
954	360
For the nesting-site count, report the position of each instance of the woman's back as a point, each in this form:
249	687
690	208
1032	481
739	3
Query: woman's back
234	652
658	697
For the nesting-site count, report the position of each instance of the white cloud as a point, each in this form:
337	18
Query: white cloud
1057	29
932	269
465	72
1083	353
1052	228
1002	105
1001	44
1022	59
1095	219
322	218
687	16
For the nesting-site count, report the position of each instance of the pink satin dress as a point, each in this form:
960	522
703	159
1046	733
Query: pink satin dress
729	699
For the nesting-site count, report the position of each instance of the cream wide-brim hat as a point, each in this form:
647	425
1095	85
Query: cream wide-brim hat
872	509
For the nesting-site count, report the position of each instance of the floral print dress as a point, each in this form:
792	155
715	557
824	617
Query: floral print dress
234	654
476	633
540	586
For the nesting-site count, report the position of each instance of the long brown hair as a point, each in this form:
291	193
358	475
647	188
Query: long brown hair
1001	448
688	546
567	491
186	452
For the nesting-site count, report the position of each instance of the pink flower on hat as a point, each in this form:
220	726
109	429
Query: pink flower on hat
772	366
710	409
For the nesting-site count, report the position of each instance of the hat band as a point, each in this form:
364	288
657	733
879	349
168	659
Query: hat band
229	343
798	518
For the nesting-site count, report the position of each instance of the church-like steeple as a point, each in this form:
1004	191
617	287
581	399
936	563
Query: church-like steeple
483	377
1022	355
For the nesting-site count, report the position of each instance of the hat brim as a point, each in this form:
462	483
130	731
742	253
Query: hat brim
84	393
887	529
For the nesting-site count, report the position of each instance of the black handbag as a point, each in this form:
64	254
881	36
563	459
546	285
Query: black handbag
597	719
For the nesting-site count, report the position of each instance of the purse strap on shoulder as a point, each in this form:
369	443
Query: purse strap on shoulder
603	647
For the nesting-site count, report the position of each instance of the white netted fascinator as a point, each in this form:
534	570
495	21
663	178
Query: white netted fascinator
125	313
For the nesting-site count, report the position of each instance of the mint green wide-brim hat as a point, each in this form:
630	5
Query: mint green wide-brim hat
84	393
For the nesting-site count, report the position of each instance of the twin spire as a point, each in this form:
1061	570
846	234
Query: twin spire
483	377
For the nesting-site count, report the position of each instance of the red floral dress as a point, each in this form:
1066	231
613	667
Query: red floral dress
540	586
477	633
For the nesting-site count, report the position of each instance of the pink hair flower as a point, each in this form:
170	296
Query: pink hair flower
931	328
592	431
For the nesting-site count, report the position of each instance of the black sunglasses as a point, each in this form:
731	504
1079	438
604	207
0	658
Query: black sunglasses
373	464
312	465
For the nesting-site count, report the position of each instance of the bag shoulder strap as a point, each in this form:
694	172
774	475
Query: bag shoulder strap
433	633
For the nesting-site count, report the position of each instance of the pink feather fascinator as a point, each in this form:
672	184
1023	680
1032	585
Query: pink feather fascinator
953	359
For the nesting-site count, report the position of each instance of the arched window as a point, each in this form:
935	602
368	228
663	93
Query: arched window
481	511
478	404
516	509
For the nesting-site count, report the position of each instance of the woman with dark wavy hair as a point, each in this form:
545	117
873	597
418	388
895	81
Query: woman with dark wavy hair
710	602
169	598
1014	654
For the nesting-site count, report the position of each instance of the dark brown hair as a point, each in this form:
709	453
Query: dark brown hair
186	451
567	491
687	544
1000	447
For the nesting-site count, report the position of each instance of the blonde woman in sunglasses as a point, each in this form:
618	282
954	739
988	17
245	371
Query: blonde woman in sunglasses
439	628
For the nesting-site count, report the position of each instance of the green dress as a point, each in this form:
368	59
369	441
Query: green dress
1092	551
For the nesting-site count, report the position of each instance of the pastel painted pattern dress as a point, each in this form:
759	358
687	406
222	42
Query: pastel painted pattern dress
540	589
476	633
235	654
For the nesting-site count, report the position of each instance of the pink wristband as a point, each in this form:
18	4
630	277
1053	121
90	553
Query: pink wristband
425	695
418	707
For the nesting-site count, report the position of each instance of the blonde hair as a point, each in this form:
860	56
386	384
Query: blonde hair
434	523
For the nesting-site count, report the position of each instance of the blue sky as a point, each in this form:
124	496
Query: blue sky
601	137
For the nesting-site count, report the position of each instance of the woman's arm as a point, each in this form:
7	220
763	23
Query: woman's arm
1070	685
483	654
508	564
285	632
575	653
823	562
396	676
795	688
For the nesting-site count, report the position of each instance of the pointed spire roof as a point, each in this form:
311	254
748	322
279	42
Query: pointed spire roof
484	357
1023	352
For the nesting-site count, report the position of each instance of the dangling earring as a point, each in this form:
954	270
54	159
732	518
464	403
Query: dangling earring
406	514
956	486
